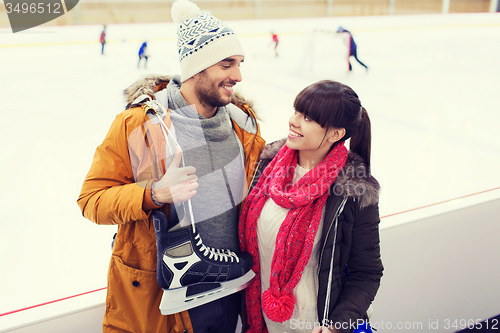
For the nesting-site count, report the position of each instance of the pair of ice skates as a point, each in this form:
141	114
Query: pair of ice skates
192	274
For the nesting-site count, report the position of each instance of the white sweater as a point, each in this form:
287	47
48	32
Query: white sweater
304	316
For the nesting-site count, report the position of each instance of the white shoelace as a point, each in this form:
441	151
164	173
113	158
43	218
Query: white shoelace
216	254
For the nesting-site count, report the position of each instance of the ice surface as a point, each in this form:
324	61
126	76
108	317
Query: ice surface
431	91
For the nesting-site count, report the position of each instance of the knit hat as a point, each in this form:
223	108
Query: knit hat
202	40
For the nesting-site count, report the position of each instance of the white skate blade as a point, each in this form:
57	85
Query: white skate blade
175	300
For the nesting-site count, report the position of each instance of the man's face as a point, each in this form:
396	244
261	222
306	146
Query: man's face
214	85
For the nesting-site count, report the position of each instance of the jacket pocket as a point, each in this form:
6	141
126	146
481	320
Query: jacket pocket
132	301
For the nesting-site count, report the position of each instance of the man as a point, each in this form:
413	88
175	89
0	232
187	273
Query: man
353	48
182	150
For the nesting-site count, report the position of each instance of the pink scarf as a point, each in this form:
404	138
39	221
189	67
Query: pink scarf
295	239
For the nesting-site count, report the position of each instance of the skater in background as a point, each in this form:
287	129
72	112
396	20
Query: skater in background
143	54
174	130
102	39
276	41
313	209
352	47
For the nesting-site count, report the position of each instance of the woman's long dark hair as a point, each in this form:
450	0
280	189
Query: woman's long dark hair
333	104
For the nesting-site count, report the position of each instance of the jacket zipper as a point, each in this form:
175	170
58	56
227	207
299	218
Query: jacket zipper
184	330
254	136
339	209
253	177
330	273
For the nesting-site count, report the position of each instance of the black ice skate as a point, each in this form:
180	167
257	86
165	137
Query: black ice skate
192	274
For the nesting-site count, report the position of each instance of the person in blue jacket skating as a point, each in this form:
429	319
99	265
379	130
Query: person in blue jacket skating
143	54
352	49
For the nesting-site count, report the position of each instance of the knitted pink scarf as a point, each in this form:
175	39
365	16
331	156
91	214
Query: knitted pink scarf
295	237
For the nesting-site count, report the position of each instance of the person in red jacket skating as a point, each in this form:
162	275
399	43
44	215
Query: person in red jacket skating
276	41
102	39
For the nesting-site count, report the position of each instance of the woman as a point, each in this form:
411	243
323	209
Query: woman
322	194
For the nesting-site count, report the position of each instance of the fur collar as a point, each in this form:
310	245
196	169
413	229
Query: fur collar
152	83
354	180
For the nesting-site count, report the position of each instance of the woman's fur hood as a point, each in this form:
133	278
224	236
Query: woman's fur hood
152	83
355	180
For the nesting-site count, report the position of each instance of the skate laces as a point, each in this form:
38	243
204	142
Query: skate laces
216	254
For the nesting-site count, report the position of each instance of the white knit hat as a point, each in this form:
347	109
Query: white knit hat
202	40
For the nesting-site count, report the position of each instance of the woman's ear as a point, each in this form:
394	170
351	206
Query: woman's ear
336	134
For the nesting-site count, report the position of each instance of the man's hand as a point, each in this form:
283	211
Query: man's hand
178	184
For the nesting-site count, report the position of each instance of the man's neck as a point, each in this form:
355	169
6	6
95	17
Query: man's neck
190	97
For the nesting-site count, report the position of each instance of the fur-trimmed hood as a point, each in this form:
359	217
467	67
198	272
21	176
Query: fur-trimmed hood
354	180
152	83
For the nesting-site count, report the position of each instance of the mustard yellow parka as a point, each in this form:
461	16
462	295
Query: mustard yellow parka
117	190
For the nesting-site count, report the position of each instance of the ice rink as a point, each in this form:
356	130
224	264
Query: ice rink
431	90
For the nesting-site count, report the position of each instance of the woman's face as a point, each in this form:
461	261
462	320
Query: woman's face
305	134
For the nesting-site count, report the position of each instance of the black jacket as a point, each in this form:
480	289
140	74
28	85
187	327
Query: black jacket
357	267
